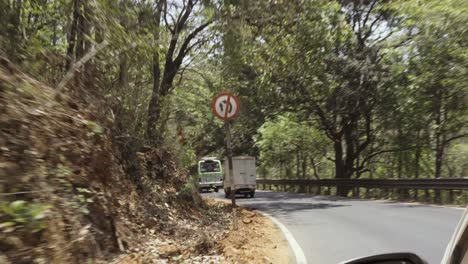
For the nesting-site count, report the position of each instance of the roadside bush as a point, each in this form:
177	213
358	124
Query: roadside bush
23	214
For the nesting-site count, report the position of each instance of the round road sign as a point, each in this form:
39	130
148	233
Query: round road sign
225	106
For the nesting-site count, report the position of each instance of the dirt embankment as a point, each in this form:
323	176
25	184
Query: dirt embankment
73	190
257	240
66	196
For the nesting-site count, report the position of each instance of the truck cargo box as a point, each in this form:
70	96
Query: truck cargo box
245	176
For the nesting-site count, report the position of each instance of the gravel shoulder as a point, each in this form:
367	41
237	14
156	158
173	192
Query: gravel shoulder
257	240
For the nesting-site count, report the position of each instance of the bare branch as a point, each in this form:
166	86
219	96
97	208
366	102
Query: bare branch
80	63
184	47
370	156
369	12
168	26
178	28
455	137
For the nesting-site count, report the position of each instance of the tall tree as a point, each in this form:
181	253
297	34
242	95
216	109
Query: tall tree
183	30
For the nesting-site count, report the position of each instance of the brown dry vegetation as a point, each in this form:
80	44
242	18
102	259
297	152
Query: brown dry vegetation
257	240
66	196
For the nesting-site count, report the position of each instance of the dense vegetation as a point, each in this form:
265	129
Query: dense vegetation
105	107
345	88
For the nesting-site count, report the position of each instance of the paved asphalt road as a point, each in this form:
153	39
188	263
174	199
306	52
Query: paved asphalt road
330	230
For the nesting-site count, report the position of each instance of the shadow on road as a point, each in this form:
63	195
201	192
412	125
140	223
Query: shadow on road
277	203
286	195
283	208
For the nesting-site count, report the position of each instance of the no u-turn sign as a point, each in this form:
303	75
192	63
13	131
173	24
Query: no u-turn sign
225	106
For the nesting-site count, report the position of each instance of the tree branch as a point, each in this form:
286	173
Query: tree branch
177	29
172	30
80	63
455	137
184	47
368	13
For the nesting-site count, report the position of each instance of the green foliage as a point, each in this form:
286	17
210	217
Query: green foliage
385	80
380	87
188	190
82	199
26	214
94	127
284	142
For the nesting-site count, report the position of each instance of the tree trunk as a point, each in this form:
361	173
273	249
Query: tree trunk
13	28
315	168
85	44
439	157
399	154
438	161
84	29
339	166
304	166
417	155
154	107
350	150
439	145
340	169
357	169
154	104
72	35
298	164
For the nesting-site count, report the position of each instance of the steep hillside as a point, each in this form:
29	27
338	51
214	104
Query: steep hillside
66	196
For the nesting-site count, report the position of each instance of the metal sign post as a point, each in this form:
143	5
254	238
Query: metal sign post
226	106
227	128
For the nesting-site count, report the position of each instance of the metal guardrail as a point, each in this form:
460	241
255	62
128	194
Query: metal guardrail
419	184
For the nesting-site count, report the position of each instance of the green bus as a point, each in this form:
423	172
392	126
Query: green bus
210	174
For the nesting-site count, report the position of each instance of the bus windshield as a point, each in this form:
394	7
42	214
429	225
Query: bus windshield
209	166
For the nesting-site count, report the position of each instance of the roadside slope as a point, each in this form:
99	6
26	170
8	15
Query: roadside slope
257	240
65	195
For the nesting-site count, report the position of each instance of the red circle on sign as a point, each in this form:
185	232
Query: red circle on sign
225	116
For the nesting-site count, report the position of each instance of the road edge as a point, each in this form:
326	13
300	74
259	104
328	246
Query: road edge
297	250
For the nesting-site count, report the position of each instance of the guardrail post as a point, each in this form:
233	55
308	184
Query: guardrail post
402	194
437	196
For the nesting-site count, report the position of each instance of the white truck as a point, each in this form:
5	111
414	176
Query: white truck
245	176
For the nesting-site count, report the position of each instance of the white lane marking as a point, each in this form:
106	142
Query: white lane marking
297	250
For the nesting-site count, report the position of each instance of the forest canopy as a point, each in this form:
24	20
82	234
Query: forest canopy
344	88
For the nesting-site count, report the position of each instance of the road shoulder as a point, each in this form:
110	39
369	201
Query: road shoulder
257	240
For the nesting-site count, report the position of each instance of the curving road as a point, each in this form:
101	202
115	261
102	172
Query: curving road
330	229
